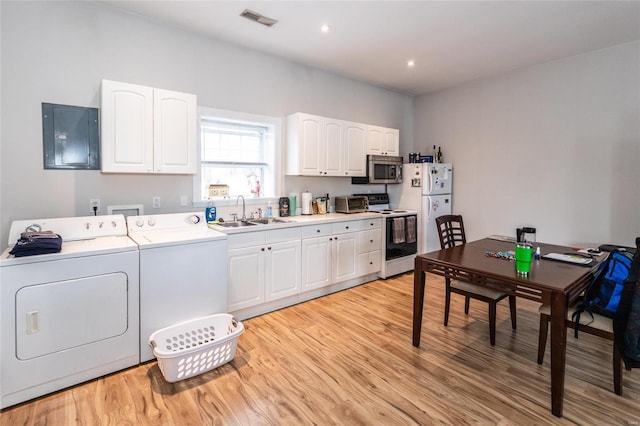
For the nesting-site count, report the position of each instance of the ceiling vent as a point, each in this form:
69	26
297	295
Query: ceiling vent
256	17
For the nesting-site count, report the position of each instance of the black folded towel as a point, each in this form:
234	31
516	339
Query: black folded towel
33	243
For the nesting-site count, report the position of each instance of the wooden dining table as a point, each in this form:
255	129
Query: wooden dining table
553	283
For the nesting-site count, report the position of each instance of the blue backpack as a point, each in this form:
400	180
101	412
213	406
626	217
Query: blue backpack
603	294
626	323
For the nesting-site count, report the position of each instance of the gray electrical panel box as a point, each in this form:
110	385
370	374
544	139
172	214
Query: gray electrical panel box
70	137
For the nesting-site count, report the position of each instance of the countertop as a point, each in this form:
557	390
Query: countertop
294	221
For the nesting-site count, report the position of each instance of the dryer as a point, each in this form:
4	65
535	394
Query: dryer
71	316
183	271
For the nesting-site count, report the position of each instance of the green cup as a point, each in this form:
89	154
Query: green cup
524	254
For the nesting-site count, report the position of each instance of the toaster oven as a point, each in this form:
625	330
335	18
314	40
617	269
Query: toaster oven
351	204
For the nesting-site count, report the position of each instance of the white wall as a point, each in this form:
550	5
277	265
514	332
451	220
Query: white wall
58	52
555	146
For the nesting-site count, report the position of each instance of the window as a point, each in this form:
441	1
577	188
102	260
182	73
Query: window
238	155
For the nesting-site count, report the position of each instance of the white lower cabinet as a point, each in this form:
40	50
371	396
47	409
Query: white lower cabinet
282	270
263	266
316	262
370	247
330	257
246	278
344	257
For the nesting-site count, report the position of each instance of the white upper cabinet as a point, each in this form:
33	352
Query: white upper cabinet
147	130
355	149
320	146
383	141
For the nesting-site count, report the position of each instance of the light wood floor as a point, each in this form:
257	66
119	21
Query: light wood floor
347	359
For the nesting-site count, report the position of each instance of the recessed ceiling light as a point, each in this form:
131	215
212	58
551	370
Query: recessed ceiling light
411	63
325	28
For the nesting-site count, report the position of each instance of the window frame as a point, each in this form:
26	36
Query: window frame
273	123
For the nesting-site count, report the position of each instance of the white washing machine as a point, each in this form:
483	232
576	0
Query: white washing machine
183	271
70	316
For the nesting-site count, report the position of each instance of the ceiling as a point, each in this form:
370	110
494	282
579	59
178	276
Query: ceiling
451	42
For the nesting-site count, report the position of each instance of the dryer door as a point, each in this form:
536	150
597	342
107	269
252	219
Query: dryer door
60	315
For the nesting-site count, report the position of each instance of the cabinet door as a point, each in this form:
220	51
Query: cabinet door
174	133
311	147
344	257
391	139
282	269
316	262
355	150
246	278
374	140
333	141
126	123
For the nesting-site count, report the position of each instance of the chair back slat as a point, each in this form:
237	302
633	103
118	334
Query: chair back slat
451	231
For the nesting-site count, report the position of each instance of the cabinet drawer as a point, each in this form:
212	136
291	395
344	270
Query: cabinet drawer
369	240
319	230
280	235
370	224
369	263
342	227
246	239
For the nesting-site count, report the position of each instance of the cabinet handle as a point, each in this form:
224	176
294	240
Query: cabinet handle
346	227
330	239
370	263
370	241
262	249
269	248
336	238
317	230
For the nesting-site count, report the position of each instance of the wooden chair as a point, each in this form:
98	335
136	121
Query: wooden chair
600	326
451	233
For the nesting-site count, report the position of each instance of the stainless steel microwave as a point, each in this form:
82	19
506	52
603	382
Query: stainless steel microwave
381	169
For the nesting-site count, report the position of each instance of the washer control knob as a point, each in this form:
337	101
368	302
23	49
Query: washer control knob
194	219
151	221
139	223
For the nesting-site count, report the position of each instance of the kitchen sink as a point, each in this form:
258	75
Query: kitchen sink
266	221
236	224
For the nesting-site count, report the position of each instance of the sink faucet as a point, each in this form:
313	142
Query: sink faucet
244	215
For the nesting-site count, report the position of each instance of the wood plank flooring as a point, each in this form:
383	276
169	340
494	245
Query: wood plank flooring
347	358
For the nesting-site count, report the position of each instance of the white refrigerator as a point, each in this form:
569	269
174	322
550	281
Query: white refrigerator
427	188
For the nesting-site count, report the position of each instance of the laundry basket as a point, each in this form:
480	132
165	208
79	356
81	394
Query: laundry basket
194	347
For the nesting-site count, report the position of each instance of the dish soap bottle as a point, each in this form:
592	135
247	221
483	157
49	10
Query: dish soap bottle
269	210
210	213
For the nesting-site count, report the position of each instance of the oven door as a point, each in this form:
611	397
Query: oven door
401	236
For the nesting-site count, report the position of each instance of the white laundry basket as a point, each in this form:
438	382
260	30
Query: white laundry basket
194	347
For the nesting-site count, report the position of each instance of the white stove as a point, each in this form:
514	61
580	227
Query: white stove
399	235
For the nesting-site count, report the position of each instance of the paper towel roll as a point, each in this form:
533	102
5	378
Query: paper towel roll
306	203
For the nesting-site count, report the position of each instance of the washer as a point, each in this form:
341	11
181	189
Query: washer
183	271
70	316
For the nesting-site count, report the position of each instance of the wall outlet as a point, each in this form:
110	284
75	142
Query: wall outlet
184	201
156	202
94	202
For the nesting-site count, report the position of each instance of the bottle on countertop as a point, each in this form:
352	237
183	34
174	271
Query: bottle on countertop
210	212
269	211
439	155
435	155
